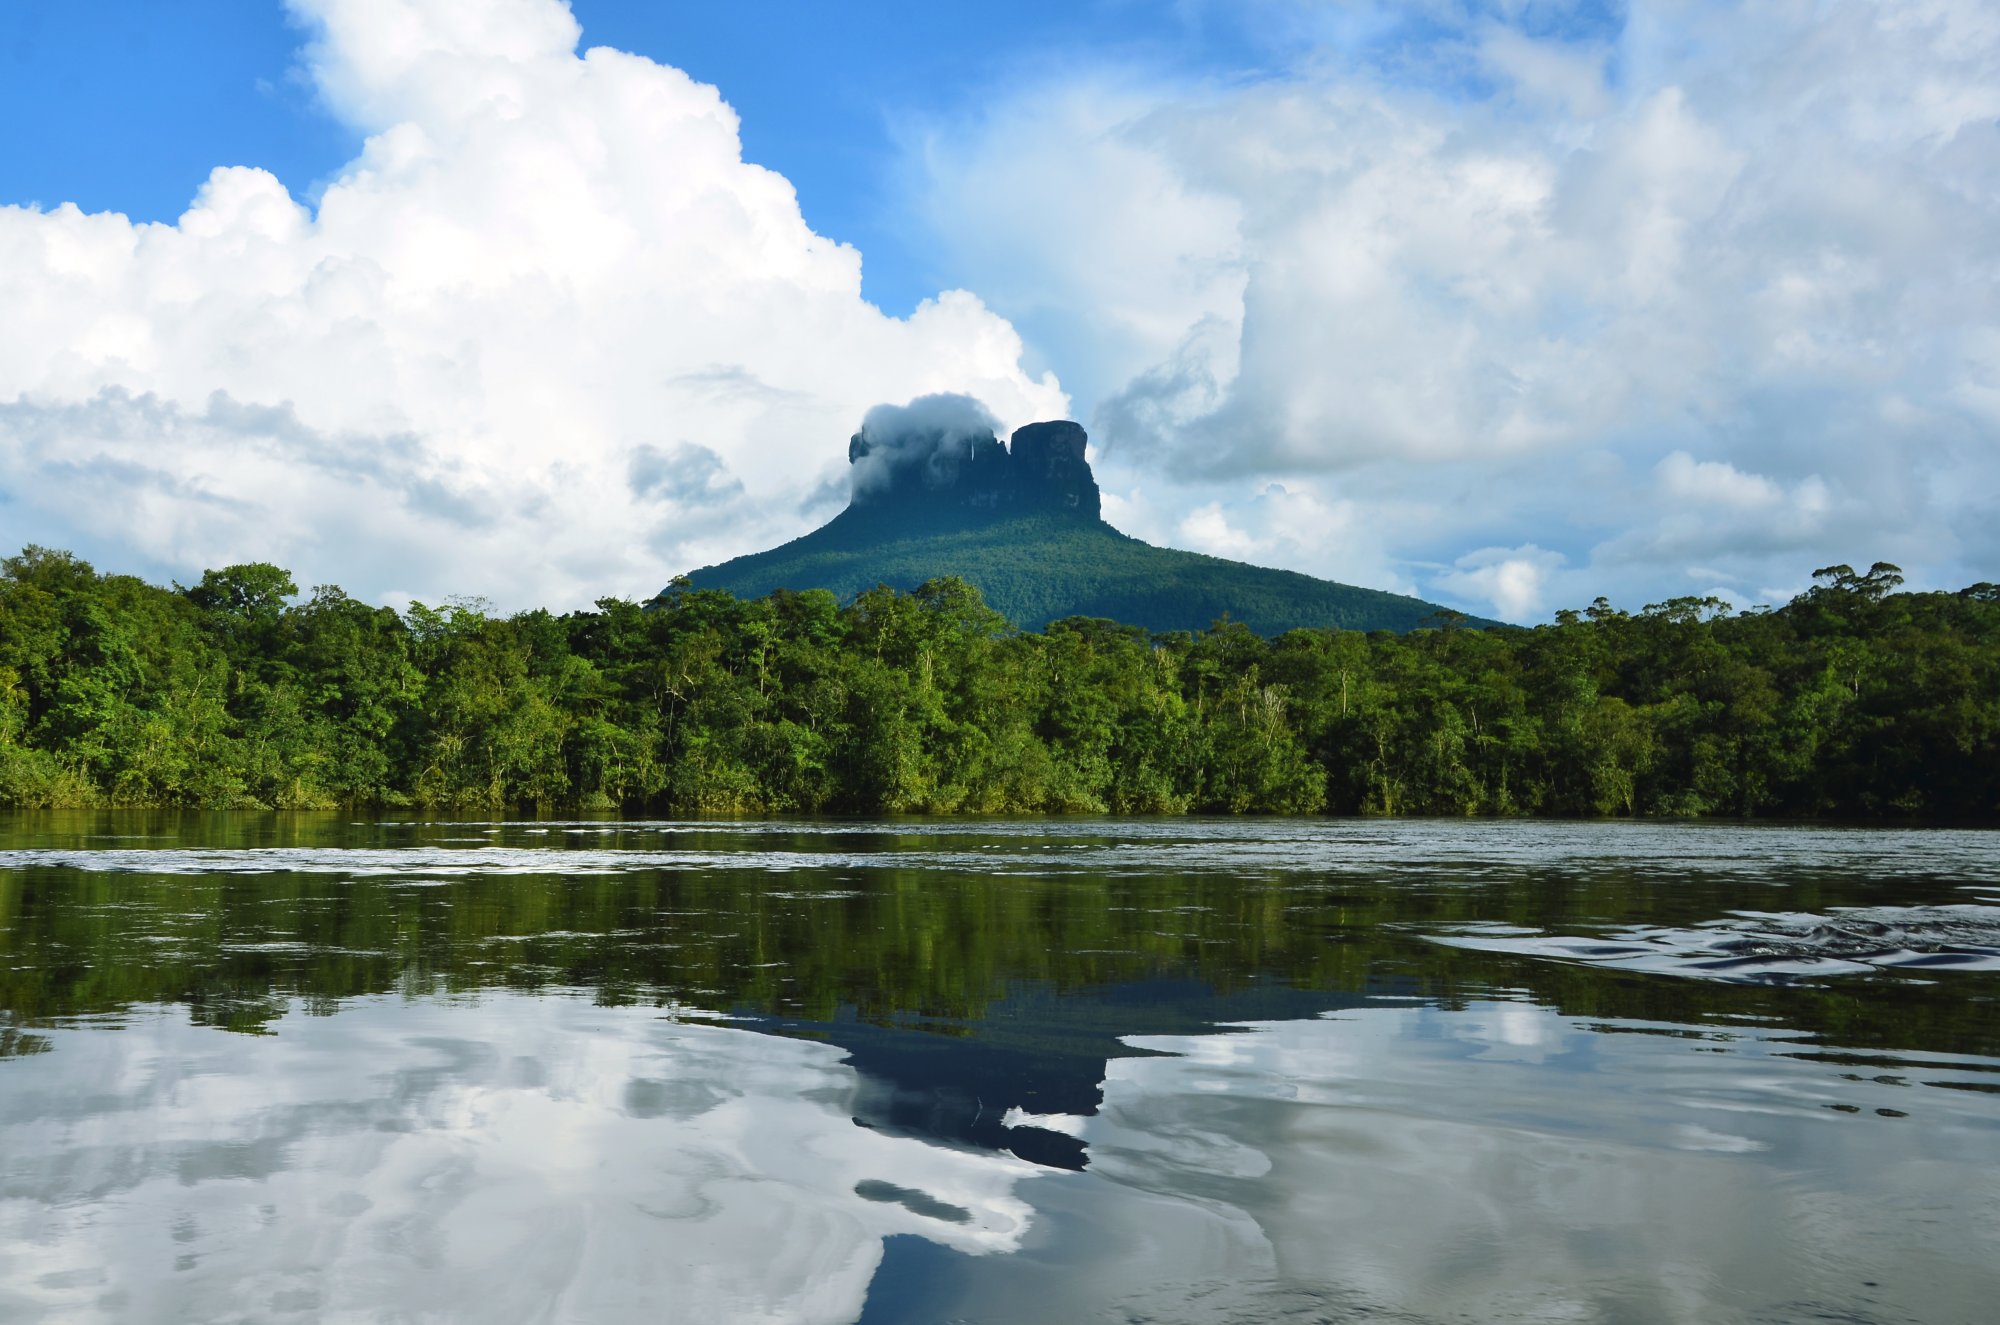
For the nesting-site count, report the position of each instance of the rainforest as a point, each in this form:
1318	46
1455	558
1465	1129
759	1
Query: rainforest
1856	700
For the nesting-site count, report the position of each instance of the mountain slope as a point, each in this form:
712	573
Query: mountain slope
1038	568
936	493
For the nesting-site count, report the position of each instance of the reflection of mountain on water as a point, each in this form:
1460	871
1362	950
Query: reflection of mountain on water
1499	1161
1032	1054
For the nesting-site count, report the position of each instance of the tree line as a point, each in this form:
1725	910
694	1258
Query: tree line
1854	700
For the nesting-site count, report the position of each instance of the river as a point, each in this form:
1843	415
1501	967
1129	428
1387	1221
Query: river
333	1067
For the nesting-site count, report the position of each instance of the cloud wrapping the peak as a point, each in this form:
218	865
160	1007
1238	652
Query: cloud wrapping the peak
549	285
932	434
946	413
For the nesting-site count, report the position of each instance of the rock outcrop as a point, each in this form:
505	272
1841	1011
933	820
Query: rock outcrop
1044	470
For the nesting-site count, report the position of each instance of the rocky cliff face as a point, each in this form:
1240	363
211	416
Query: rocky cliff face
941	469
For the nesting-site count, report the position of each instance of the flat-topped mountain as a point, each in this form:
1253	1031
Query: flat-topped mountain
935	492
1042	470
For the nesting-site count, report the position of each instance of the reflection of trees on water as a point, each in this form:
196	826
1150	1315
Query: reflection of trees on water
933	948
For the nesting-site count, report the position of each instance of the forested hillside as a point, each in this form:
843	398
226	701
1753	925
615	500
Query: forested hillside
1852	701
1044	567
1022	523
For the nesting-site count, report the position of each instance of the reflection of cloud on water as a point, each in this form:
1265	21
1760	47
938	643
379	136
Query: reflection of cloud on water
538	1158
511	1159
1507	1162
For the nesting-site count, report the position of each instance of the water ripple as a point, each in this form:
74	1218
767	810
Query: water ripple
1441	855
1766	947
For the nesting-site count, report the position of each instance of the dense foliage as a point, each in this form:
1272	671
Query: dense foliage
1852	701
1036	569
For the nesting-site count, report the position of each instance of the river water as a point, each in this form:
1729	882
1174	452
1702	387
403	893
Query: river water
274	1068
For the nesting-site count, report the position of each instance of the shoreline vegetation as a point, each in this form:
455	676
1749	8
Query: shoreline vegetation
1852	702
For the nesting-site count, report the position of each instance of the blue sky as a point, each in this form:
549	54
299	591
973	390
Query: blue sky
133	102
126	105
1505	303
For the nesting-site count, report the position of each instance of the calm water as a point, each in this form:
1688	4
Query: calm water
262	1068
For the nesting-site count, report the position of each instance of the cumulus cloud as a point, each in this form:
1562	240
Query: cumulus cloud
1684	294
548	336
686	474
168	487
1719	483
1112	289
1297	525
1514	580
1512	261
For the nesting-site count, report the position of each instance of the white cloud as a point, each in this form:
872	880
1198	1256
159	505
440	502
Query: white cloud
1114	289
1297	525
1705	504
1710	288
1723	259
1570	79
545	274
1513	580
1716	482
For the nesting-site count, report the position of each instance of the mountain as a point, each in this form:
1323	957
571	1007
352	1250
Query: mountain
935	495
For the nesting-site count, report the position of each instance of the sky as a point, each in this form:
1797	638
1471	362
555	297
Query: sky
1505	303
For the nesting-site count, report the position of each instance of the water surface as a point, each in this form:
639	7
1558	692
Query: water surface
303	1068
